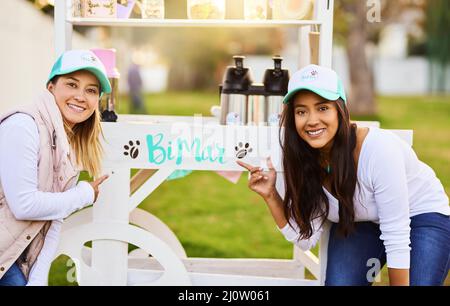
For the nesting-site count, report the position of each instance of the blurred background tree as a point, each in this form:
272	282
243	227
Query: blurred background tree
355	27
352	28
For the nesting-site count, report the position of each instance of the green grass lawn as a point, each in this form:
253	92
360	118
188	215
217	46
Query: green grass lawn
215	218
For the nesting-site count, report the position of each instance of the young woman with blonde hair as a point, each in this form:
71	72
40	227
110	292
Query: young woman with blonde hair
44	146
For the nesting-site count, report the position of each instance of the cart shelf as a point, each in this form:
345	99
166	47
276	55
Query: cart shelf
136	22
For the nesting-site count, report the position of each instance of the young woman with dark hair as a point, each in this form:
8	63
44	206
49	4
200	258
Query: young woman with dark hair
383	202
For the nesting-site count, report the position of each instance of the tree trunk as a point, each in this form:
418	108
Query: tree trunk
361	93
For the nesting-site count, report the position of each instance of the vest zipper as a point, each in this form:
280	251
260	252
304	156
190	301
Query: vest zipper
54	140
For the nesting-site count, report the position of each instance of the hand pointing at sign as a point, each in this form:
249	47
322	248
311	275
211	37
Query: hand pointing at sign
263	183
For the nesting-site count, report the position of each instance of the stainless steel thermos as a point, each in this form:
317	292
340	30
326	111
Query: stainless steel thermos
257	106
276	82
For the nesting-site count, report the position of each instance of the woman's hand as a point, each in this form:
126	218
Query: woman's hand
97	183
263	183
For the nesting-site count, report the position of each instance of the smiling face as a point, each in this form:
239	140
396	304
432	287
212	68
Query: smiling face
77	95
316	119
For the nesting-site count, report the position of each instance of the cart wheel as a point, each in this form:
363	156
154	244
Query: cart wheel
73	240
140	218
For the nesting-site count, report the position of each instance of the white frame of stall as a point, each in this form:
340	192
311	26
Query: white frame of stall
107	223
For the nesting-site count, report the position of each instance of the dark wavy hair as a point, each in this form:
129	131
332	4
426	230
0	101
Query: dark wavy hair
305	199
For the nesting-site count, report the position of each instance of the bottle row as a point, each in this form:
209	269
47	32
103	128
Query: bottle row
196	9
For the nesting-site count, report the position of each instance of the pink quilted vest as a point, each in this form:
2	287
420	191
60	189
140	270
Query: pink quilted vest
22	241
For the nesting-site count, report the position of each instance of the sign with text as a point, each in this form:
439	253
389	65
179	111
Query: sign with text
190	146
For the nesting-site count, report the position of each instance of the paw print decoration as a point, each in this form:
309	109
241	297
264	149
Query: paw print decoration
242	150
131	149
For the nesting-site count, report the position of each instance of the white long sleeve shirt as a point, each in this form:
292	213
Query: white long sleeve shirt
394	186
19	143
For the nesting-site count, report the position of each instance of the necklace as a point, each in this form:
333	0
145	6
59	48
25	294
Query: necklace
326	163
327	166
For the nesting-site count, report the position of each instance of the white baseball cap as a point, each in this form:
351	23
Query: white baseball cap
323	81
74	60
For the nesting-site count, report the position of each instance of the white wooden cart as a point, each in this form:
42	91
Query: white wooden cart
153	144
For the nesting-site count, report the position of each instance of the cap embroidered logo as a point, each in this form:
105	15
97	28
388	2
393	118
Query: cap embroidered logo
310	75
88	58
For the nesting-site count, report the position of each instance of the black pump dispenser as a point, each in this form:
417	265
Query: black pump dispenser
276	80
237	78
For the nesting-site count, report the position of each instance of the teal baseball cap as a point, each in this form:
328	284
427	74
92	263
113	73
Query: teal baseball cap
321	80
75	60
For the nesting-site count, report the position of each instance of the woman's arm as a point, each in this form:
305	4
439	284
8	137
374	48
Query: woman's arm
19	143
398	277
263	183
387	171
39	272
275	205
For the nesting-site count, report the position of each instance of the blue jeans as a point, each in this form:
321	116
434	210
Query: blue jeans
352	260
13	277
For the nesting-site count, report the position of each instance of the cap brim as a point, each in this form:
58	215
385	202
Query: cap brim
104	82
332	96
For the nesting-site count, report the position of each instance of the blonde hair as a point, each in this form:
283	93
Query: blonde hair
84	139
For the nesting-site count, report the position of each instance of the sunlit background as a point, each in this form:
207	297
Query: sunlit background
396	71
406	52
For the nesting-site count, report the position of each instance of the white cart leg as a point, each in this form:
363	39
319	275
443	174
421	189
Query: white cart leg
301	271
63	29
109	257
324	12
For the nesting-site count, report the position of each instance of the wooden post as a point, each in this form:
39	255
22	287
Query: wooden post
314	43
303	47
140	178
